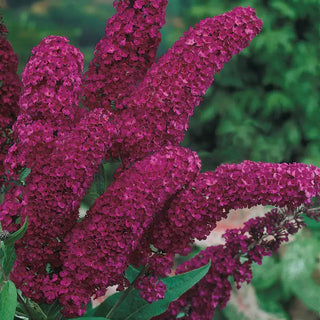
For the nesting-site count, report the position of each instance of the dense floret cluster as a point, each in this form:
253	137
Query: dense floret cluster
259	237
49	103
100	245
136	110
151	288
10	87
159	109
123	56
193	214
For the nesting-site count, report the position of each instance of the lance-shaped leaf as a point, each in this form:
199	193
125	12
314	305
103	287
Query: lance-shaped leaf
8	259
14	237
136	308
8	301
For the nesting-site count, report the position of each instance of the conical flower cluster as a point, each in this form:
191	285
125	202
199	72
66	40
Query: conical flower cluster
132	107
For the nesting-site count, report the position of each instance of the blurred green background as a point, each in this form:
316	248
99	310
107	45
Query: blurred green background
263	106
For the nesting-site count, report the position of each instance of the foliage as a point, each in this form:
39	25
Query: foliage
156	202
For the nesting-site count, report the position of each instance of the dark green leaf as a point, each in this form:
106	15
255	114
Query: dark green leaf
89	310
9	257
17	235
8	301
51	310
24	174
131	273
35	310
136	308
99	181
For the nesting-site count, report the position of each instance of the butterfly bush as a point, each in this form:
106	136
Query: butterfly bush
129	106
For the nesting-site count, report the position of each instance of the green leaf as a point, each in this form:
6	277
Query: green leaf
14	237
23	175
298	264
8	301
131	273
136	308
99	181
51	310
9	257
35	310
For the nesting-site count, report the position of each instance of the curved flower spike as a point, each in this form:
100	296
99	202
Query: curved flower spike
122	57
49	102
159	109
258	238
10	87
98	248
52	200
209	198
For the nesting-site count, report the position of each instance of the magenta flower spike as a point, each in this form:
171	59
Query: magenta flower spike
160	107
259	237
209	198
52	200
136	110
123	56
10	87
49	102
99	247
49	108
194	212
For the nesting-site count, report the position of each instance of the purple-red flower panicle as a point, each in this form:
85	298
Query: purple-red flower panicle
98	248
160	107
193	213
136	110
49	102
123	56
258	238
52	200
10	87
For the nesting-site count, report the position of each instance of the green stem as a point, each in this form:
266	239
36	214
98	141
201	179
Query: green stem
20	300
126	292
5	278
